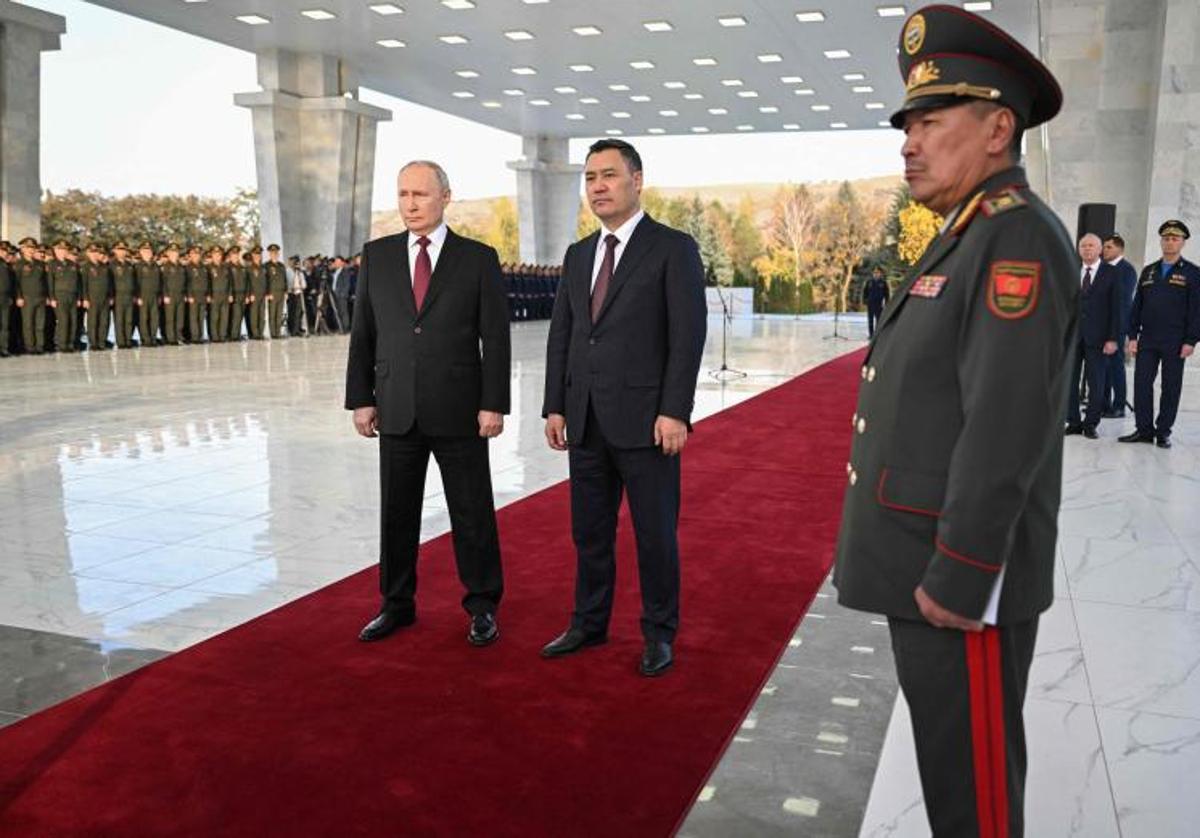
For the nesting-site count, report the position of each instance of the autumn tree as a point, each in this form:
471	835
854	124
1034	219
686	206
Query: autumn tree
77	215
848	231
918	227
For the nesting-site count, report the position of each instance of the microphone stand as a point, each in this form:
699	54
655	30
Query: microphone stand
726	372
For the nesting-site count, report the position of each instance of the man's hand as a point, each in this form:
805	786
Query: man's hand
490	423
52	303
1131	347
556	431
20	302
166	300
83	304
366	421
1186	350
670	434
1110	347
940	617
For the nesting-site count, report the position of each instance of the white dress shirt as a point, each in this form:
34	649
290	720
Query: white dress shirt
1084	268
436	239
623	234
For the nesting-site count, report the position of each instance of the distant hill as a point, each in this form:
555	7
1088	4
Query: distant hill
477	212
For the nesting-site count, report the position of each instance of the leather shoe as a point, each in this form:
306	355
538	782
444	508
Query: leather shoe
1136	436
1163	442
1090	433
484	630
384	624
571	641
656	658
1072	430
1113	414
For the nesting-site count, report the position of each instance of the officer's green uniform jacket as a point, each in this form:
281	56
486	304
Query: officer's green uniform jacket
218	283
174	281
955	471
196	281
8	286
237	281
31	281
276	279
65	285
149	281
97	284
124	280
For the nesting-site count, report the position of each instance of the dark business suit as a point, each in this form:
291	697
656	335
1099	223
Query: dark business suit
1115	393
611	380
429	373
1099	322
875	295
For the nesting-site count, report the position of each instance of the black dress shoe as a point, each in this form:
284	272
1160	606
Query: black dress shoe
571	641
484	630
1072	430
1163	441
1136	436
1113	414
656	658
386	623
1090	433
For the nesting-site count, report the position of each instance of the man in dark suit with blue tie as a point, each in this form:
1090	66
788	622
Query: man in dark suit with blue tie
429	372
626	338
1099	327
1115	394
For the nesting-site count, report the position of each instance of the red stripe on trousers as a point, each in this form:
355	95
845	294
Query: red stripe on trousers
987	732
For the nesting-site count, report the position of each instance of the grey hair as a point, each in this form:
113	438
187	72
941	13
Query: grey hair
1087	236
443	178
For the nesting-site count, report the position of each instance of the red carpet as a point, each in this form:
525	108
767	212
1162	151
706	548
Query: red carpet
289	726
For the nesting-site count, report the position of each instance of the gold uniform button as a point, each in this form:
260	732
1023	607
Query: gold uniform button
853	421
871	374
864	372
853	477
849	467
862	425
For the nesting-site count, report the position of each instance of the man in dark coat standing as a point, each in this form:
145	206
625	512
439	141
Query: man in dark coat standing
1115	392
626	338
949	523
875	295
428	373
1099	328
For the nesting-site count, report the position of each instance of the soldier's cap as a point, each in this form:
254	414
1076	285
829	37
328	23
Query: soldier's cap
1174	227
193	248
171	246
119	244
274	248
145	246
233	249
949	56
28	241
62	244
93	247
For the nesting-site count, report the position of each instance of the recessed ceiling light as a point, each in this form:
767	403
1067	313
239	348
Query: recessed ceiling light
745	127
589	100
658	26
535	2
642	65
804	91
883	123
656	130
732	20
820	107
810	17
837	53
693	96
718	111
541	103
467	74
491	104
674	85
699	129
386	9
890	11
458	4
854	76
984	6
524	71
668	113
748	94
587	31
863	88
731	82
768	109
254	20
770	58
791	79
463	94
619	88
620	114
837	125
514	91
705	62
874	106
582	68
390	43
318	14
452	39
518	35
791	126
614	132
639	98
576	116
564	89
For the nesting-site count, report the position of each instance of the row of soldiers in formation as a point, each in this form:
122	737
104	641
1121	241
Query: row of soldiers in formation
174	293
530	290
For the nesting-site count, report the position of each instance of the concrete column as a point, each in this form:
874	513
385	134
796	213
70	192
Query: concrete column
314	146
25	33
547	199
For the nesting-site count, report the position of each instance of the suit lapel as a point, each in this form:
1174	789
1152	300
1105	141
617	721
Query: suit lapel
404	291
446	262
582	279
639	243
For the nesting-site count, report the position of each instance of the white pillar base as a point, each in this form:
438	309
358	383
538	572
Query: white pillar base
547	199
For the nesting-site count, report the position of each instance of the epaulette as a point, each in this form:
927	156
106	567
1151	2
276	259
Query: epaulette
1002	201
968	212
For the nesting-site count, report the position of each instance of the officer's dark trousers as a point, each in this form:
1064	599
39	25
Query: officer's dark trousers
965	691
872	319
1115	394
466	477
1145	370
1089	361
148	321
599	474
123	315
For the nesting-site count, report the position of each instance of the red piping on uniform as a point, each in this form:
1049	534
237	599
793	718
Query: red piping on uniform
937	542
986	699
901	507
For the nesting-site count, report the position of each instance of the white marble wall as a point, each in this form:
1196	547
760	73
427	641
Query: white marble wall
547	199
24	34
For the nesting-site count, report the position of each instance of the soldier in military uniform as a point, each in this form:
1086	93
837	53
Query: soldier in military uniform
277	290
98	297
124	293
1164	326
221	296
949	519
238	287
149	289
875	295
32	293
174	289
257	280
196	294
8	295
65	293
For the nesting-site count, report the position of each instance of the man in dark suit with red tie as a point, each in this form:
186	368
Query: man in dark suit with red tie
1099	328
428	372
626	339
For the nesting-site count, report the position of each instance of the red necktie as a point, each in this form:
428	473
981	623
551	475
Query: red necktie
600	289
422	272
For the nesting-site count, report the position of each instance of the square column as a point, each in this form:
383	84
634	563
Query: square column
314	148
25	33
547	199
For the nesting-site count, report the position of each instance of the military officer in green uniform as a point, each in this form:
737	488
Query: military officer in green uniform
8	295
257	281
222	296
239	288
124	293
32	293
196	294
174	281
277	289
65	294
98	297
149	294
949	518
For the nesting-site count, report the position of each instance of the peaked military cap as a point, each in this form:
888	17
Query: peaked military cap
233	249
28	241
93	247
62	244
145	246
120	245
274	248
1174	227
949	56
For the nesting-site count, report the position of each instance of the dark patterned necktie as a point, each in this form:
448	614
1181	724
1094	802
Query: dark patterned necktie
600	289
422	272
1087	280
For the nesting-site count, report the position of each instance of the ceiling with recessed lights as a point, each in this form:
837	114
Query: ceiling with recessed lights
583	68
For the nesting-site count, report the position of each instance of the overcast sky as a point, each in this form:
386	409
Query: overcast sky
129	106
